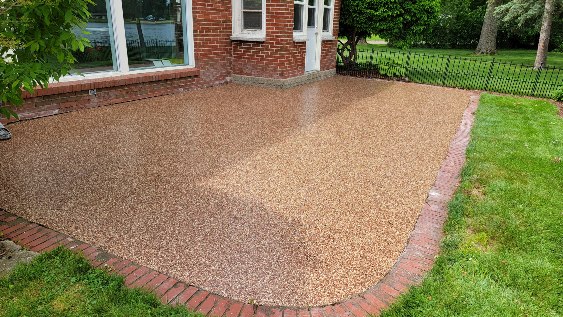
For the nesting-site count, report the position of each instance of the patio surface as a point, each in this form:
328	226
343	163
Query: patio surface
295	197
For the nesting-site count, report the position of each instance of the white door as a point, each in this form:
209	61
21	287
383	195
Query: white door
312	55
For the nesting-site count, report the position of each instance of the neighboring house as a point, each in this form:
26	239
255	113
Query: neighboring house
146	48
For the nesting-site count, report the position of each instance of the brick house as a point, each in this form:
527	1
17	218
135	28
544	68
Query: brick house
146	48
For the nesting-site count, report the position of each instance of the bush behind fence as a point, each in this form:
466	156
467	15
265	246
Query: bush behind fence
455	71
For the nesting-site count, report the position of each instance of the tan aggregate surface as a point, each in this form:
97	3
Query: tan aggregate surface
293	197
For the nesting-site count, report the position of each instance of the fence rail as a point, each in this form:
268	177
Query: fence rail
455	71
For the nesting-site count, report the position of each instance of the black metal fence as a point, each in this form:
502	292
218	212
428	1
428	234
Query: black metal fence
454	71
101	50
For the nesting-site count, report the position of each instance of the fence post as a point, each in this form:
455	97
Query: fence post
538	74
490	75
446	71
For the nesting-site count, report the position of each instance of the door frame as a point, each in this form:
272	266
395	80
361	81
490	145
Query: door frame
319	26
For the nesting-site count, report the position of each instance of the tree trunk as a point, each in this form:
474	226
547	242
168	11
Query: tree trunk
350	47
488	40
142	44
139	15
545	33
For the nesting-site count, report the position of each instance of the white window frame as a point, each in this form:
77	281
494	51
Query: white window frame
121	61
328	34
239	33
301	36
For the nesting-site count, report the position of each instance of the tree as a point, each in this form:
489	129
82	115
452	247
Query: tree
545	33
37	41
400	22
532	16
458	25
489	30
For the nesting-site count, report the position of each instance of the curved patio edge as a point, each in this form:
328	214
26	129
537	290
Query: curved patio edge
409	270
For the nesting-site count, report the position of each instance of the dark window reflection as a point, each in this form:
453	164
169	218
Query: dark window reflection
252	14
311	18
326	20
99	57
298	17
154	32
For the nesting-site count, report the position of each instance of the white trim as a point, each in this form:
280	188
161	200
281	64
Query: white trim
189	33
320	14
301	36
331	21
240	34
122	61
248	37
108	74
119	49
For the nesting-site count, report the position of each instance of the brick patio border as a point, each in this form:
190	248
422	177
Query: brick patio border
417	258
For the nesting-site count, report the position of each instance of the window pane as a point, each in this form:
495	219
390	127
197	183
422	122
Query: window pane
311	21
252	20
312	3
154	32
252	4
326	20
99	57
327	3
298	17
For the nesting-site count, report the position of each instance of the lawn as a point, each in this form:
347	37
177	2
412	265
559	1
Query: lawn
502	255
62	283
516	56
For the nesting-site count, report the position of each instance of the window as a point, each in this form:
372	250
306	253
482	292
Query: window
137	34
305	16
249	19
327	16
298	16
154	32
252	14
99	30
312	14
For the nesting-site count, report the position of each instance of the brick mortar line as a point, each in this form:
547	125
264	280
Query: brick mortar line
409	270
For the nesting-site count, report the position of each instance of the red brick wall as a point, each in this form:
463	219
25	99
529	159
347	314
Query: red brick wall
328	54
279	56
212	25
216	58
70	96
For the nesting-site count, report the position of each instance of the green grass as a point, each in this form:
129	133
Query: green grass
375	38
502	254
516	56
61	283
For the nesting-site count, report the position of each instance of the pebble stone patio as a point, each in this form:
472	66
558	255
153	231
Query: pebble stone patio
246	201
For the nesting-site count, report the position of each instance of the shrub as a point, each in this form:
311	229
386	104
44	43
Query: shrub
37	42
558	94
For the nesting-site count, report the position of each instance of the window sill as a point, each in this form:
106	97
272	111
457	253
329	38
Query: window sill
111	79
299	38
303	38
248	38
